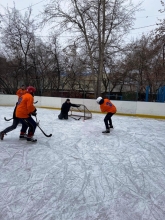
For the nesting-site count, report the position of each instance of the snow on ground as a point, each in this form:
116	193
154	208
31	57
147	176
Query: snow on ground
80	173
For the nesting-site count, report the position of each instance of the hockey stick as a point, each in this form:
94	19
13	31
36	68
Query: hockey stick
47	135
7	119
75	118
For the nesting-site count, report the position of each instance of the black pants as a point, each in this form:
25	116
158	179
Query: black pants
28	123
108	119
12	127
63	116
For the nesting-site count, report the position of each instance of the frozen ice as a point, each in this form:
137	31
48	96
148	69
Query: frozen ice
80	173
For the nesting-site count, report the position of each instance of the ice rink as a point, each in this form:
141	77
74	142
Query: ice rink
80	173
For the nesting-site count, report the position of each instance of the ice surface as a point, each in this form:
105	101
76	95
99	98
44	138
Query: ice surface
80	173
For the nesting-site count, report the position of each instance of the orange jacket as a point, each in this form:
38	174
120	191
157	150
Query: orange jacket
107	106
20	92
25	106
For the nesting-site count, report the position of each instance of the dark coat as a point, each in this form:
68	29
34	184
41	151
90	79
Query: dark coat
14	115
66	107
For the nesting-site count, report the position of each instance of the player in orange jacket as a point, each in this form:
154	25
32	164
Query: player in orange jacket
25	109
107	106
21	91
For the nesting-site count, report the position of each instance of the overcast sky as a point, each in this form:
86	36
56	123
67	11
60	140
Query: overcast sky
145	20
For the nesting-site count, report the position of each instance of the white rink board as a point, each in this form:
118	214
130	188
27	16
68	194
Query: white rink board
123	107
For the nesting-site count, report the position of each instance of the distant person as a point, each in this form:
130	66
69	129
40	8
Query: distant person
107	106
65	108
21	91
24	110
12	127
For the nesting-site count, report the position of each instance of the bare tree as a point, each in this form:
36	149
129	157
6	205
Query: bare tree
18	38
95	24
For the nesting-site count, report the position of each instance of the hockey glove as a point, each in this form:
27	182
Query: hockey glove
34	113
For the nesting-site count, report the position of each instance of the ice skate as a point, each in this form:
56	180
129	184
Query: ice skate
106	131
2	135
31	139
23	136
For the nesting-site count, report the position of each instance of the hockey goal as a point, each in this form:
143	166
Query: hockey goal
80	112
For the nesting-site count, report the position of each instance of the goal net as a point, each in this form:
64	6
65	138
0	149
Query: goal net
80	112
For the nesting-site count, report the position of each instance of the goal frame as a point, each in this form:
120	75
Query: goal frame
80	112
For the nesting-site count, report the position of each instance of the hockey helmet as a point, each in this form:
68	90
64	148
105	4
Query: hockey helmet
99	99
31	89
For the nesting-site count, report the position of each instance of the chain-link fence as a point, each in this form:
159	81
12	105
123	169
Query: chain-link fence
124	93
